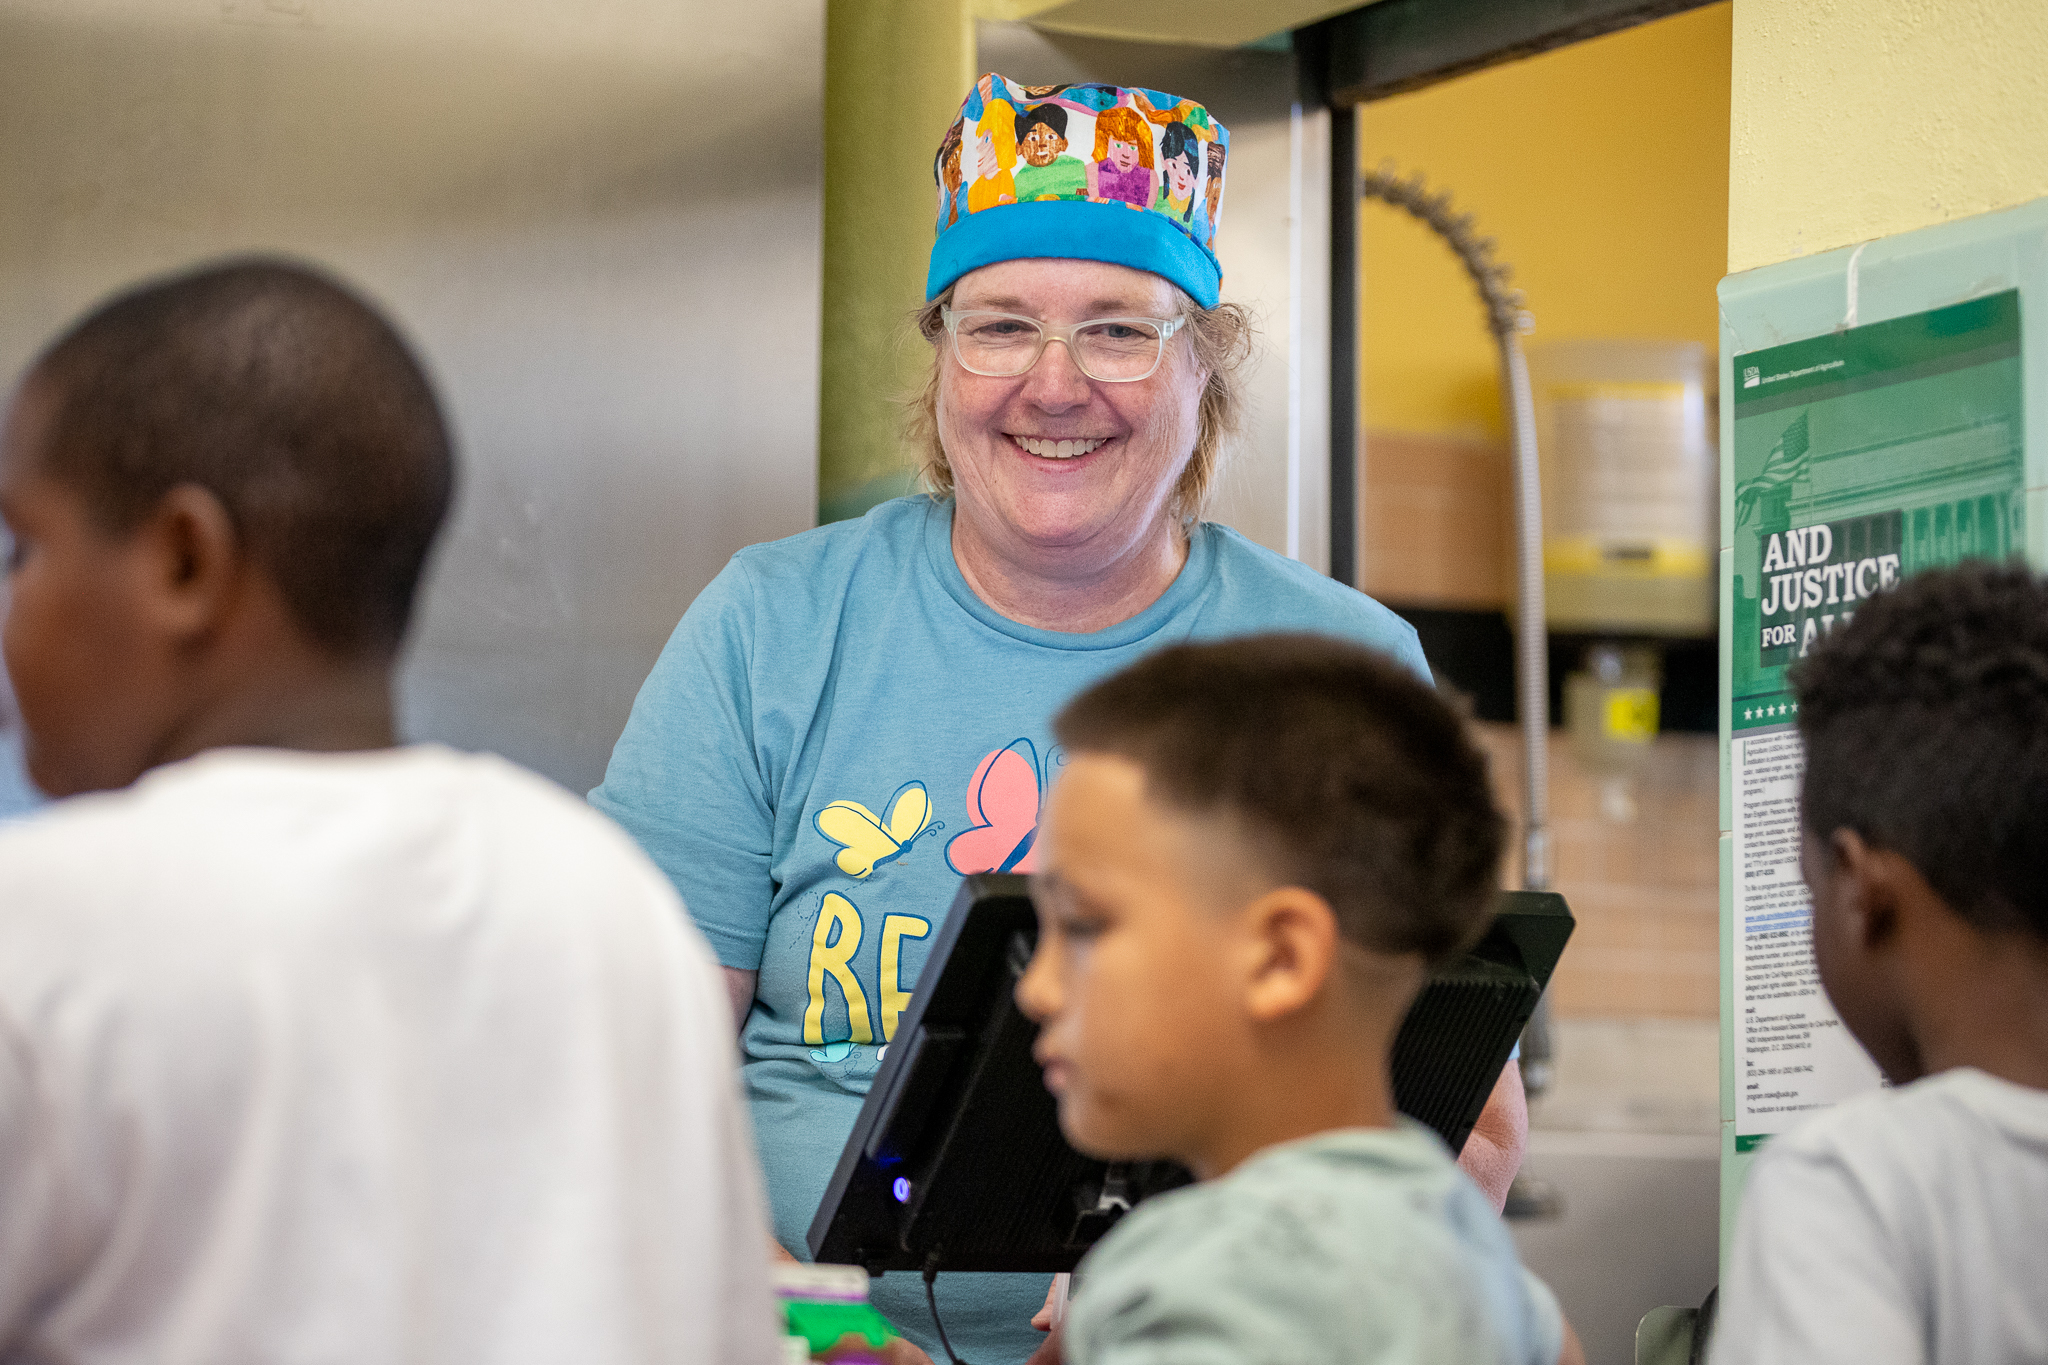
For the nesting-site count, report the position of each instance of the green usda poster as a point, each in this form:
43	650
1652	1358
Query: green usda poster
1860	457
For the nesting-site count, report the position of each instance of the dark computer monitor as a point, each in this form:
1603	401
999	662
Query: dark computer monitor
957	1162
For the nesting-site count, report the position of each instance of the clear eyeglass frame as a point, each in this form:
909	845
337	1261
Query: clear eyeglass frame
1065	335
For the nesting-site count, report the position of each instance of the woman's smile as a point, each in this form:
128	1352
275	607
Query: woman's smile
1058	448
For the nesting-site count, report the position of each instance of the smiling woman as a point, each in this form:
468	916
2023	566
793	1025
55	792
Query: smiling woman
847	722
1219	342
1094	456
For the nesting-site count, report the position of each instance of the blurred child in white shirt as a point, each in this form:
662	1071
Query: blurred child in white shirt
1910	1226
314	1047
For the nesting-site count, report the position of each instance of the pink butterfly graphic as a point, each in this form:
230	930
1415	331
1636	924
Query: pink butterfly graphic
1002	797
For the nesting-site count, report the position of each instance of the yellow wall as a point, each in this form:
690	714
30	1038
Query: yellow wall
1858	120
1601	168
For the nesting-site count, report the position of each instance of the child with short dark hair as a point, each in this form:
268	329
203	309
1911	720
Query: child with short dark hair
1911	1225
315	1047
1255	852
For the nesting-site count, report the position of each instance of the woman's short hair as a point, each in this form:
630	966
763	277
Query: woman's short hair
1220	339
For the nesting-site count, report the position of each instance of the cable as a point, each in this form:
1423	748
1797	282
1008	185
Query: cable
931	1296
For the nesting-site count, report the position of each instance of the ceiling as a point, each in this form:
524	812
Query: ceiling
1200	23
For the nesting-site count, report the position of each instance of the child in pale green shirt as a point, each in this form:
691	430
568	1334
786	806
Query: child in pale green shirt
1254	854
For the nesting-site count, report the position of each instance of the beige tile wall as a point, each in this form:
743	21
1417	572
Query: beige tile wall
1435	533
1435	523
1644	891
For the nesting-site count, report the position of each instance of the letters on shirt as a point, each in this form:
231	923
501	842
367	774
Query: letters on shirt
1004	795
833	943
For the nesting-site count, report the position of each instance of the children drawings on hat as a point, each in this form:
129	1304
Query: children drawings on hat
1180	155
1122	168
946	170
995	152
1048	172
1100	143
1212	196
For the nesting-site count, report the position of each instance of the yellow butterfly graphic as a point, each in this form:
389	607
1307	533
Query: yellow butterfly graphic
867	840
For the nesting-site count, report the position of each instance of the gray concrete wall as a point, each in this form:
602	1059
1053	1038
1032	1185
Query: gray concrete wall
599	220
1638	1229
1627	1137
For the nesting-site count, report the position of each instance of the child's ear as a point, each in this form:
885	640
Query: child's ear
1865	884
1294	950
190	561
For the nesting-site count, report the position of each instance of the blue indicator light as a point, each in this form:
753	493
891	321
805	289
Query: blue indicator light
901	1189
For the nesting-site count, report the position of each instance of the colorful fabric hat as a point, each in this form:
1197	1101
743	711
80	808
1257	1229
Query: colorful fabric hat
1089	172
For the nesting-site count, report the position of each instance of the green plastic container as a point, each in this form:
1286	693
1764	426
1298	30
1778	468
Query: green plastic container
823	1325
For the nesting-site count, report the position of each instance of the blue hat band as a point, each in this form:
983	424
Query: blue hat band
1077	230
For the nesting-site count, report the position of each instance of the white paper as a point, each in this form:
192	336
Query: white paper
1792	1055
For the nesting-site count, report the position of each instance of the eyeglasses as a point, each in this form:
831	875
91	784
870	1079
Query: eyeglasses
1109	350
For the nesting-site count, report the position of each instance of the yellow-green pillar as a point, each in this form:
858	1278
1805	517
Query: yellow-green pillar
895	71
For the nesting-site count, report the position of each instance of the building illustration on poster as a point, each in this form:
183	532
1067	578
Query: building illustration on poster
1858	458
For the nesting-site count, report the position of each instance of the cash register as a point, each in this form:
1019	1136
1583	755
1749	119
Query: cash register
957	1161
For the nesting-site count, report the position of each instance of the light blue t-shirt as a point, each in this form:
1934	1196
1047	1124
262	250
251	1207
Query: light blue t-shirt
838	731
1360	1246
17	796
